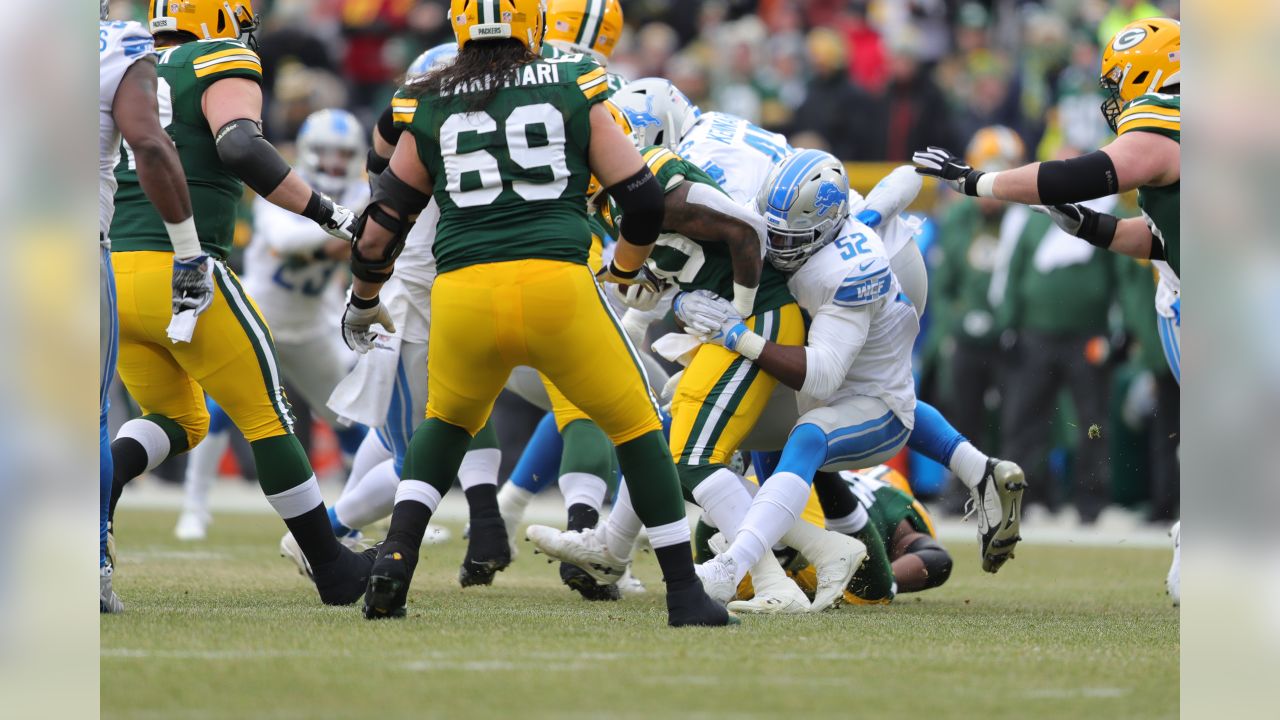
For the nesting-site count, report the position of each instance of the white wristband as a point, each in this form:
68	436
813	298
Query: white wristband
986	186
186	243
750	345
744	299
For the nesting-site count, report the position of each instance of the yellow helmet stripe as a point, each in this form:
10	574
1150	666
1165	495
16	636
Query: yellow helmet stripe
591	20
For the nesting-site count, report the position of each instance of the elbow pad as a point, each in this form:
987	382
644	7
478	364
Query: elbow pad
1081	178
246	153
641	200
407	202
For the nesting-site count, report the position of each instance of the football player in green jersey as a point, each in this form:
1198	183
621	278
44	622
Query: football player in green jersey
1141	74
210	104
505	142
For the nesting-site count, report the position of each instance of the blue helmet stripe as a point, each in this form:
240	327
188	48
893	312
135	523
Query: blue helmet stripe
794	170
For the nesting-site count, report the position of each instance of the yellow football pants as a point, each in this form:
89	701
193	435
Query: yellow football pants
550	315
562	410
721	394
231	355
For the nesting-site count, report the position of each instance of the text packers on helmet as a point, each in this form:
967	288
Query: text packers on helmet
995	148
1145	56
804	202
206	19
585	26
498	20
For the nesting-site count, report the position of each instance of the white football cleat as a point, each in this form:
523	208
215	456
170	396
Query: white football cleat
630	585
192	525
719	578
775	593
108	601
997	501
835	558
1173	581
354	541
583	548
289	549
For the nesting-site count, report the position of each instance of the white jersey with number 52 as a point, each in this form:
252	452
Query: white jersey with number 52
120	45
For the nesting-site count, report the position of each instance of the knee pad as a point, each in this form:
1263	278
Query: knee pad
936	559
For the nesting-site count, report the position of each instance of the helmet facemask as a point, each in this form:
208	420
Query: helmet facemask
788	249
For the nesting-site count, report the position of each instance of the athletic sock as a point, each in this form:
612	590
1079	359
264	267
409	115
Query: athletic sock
968	463
623	526
302	509
582	517
849	524
371	499
482	500
724	499
702	534
512	502
773	512
674	554
141	445
372	453
431	462
480	467
655	487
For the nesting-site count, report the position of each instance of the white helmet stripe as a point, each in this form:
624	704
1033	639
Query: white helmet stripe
488	11
159	8
590	29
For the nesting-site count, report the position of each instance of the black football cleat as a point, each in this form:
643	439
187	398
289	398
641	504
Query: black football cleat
586	586
388	587
691	606
488	552
343	581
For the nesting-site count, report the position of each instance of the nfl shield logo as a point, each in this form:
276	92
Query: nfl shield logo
506	17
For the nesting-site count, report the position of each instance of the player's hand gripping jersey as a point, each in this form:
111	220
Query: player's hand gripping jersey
120	45
863	325
185	72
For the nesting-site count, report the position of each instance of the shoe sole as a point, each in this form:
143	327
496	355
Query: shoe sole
603	574
585	586
751	607
472	573
381	600
1009	484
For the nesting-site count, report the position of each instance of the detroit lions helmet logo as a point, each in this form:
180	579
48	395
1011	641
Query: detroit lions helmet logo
642	118
827	197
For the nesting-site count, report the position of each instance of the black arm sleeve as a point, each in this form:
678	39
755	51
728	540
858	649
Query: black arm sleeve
640	199
246	153
387	127
1081	178
407	201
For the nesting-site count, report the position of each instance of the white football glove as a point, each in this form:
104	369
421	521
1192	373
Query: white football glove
357	323
713	320
942	164
337	220
638	297
192	295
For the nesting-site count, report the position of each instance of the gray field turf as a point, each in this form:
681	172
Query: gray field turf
226	628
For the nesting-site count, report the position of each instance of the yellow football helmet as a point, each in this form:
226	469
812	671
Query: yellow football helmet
586	26
523	20
231	19
1145	56
994	148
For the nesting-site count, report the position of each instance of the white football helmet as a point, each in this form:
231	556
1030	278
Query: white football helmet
659	113
431	59
804	203
331	151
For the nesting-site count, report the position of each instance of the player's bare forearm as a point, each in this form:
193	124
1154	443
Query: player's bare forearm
1019	185
292	194
1133	238
628	256
1133	160
159	168
787	363
703	223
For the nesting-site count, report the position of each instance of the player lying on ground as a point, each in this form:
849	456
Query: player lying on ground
513	287
211	102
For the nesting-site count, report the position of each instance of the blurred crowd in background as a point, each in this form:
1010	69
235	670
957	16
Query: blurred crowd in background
1036	346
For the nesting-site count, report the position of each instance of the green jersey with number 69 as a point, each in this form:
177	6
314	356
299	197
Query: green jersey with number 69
694	264
511	180
1160	114
184	73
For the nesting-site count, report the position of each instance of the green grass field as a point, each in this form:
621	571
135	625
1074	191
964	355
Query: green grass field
226	628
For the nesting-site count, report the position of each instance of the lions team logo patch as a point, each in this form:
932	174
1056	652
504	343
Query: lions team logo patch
642	118
1128	39
828	196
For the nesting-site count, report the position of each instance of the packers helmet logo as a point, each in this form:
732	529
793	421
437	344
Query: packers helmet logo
828	196
1128	39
